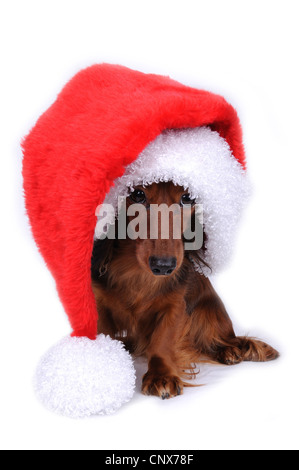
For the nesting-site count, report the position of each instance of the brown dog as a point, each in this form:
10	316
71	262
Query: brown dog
149	295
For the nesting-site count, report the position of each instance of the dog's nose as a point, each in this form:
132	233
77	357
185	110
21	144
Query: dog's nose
162	266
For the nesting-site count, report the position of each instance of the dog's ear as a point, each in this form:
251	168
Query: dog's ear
193	228
101	256
197	255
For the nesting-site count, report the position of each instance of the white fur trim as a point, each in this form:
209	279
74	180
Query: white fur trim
201	161
79	377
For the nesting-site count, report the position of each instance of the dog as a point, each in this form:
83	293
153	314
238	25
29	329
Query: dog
150	296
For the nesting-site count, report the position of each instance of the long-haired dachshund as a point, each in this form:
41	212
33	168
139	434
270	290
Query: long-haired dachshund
149	295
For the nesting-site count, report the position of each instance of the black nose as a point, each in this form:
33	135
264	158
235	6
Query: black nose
162	266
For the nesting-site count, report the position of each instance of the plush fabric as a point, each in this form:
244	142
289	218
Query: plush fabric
79	377
99	124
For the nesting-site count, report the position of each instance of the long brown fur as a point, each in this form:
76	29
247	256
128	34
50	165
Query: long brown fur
172	320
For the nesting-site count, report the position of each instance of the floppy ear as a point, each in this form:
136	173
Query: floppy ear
101	256
197	255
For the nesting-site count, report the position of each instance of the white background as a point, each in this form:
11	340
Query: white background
245	50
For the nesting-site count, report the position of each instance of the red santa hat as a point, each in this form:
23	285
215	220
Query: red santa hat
111	128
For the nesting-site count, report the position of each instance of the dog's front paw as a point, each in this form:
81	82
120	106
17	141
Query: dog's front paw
229	355
246	349
162	386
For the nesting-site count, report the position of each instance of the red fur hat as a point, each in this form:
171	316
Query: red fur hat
99	124
105	129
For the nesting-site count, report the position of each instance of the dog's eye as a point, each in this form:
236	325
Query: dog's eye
138	196
186	200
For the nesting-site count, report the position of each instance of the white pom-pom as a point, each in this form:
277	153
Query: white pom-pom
80	377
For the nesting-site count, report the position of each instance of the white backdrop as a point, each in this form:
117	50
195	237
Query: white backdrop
247	51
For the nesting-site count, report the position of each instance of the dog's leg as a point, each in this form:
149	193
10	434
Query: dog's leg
163	376
212	332
161	379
